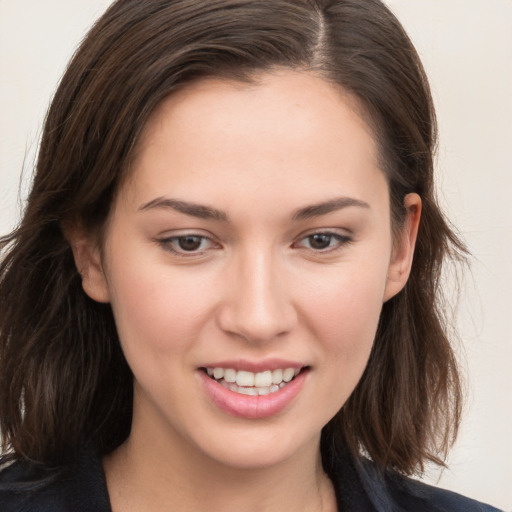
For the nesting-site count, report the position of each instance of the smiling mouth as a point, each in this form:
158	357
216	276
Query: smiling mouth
253	384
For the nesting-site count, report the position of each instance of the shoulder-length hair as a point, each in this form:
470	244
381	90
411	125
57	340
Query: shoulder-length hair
63	379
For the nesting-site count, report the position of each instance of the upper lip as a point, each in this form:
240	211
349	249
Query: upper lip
255	366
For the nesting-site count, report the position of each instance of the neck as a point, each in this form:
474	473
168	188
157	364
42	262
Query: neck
145	476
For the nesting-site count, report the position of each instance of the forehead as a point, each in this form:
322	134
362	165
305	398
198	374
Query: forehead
301	100
286	129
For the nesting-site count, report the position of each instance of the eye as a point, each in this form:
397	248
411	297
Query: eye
187	245
324	241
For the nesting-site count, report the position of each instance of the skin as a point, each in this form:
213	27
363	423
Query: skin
256	288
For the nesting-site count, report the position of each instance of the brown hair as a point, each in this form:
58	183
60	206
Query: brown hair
63	379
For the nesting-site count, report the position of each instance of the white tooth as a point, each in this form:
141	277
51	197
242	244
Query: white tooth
248	391
218	373
224	384
265	390
282	385
245	378
288	374
277	376
230	375
273	388
295	372
209	371
263	379
233	387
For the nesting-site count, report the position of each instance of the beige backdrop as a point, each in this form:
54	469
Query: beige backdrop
466	46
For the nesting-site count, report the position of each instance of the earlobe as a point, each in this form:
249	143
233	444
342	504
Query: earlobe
88	261
403	252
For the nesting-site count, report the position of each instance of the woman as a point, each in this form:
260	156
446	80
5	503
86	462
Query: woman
230	259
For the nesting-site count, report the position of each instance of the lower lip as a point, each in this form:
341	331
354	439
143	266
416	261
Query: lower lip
252	407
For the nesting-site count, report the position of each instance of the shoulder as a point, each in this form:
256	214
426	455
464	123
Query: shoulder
362	486
77	487
397	492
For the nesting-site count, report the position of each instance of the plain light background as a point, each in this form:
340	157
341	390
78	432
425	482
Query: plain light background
466	47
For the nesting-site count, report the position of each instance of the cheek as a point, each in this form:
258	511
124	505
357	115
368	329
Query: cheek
157	311
343	312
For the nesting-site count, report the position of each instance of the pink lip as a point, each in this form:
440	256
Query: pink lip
252	407
255	366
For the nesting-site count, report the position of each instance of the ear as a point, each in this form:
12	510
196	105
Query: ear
403	251
88	261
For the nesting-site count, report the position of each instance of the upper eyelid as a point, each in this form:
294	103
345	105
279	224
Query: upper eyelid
166	243
177	233
327	231
345	233
166	236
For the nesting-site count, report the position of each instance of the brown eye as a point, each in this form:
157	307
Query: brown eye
188	245
190	242
320	241
324	241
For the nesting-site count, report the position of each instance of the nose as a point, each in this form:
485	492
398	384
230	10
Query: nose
257	305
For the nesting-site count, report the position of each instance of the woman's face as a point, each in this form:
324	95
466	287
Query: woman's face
251	245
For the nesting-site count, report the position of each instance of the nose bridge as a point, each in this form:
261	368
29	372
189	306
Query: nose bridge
259	306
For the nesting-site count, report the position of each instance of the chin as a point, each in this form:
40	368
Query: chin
250	451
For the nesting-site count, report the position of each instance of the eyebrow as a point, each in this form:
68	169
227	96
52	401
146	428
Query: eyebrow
207	212
319	209
186	207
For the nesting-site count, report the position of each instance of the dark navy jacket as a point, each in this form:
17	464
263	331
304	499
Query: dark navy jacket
359	485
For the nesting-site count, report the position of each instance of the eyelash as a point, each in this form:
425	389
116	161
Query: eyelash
341	241
167	243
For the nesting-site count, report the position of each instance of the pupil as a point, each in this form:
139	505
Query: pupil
189	243
320	241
